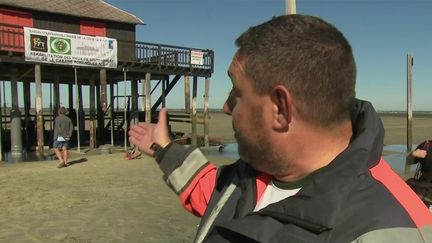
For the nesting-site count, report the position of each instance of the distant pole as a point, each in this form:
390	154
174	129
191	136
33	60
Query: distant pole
206	113
290	7
410	63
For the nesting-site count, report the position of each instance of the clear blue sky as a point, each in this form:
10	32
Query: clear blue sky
381	33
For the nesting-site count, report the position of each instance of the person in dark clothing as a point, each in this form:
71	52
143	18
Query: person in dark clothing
63	128
421	183
423	156
293	81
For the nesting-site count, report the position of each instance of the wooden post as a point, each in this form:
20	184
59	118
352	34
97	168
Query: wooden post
143	100
290	7
28	126
92	123
134	101
39	115
1	128
125	109
206	112
81	112
78	111
164	84
103	89
112	112
410	63
15	121
187	94
4	104
56	93
147	83
194	111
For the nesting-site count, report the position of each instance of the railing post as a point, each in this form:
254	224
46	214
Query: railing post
159	56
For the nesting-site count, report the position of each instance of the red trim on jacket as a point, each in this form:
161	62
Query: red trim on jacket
262	180
415	208
196	196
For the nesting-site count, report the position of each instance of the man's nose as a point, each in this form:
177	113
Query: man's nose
227	108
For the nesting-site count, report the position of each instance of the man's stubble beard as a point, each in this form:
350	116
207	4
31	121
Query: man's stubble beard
256	148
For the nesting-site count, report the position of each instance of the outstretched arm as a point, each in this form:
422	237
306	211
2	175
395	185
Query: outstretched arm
186	170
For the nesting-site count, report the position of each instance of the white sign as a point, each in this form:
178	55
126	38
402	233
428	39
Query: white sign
69	49
197	58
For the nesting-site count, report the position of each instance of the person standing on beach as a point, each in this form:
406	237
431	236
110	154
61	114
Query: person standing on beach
293	89
422	155
421	183
63	128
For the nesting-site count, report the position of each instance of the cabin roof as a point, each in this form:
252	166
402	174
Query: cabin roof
95	9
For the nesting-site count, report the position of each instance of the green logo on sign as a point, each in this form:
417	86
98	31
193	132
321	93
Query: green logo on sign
60	45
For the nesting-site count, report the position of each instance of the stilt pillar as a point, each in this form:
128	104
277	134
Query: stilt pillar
15	123
194	111
147	83
40	120
206	112
92	123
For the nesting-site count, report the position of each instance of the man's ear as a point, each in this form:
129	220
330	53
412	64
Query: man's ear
282	107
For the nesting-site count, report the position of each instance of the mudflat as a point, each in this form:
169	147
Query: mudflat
104	198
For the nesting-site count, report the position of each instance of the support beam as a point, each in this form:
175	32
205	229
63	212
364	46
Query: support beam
206	112
112	112
92	122
187	94
134	101
15	124
125	101
78	112
164	85
40	120
147	84
103	89
194	111
29	125
70	101
1	128
81	113
56	92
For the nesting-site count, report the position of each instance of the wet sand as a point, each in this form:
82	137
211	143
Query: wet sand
104	198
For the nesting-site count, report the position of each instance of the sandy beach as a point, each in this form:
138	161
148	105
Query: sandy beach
104	198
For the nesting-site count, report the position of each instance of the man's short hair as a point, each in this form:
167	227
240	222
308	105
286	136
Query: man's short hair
62	111
308	56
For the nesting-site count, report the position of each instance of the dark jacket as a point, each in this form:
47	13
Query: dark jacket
357	197
63	126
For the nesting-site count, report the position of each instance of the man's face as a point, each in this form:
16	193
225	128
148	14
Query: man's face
248	112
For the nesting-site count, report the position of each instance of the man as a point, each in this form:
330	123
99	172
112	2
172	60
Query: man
422	155
310	167
63	128
421	183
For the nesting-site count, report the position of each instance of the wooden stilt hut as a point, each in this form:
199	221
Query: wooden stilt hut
59	49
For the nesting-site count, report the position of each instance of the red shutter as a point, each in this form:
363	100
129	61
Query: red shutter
92	28
11	29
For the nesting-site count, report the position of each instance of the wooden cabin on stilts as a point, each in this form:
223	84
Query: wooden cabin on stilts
87	49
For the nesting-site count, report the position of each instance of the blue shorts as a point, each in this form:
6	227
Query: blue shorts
61	144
